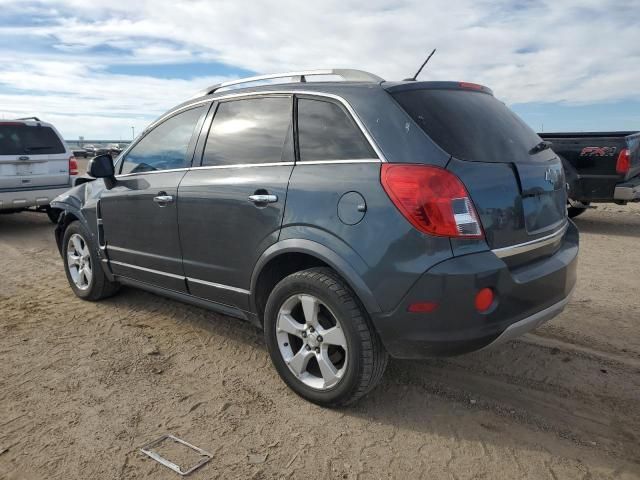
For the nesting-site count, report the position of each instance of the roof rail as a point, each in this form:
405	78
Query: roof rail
30	118
347	74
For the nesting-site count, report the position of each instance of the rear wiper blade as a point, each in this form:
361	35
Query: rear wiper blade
543	145
42	147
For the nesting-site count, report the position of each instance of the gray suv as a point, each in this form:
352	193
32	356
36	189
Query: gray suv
351	220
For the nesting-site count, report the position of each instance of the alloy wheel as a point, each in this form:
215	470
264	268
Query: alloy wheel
79	261
311	341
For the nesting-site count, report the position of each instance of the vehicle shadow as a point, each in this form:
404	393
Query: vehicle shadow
29	227
540	388
625	224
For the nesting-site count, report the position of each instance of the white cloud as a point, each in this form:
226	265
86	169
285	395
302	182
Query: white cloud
578	51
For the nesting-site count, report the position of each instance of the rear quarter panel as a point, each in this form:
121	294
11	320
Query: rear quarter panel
383	248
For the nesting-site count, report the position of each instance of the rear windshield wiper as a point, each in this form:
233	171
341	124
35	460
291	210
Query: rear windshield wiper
542	146
43	147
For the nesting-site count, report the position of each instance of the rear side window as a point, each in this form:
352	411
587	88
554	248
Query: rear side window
250	131
469	125
326	132
28	140
165	147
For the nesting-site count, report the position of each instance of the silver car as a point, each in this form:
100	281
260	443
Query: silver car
35	166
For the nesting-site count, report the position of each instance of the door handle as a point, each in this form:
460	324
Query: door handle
163	199
265	198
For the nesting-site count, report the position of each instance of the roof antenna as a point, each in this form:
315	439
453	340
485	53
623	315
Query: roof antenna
413	79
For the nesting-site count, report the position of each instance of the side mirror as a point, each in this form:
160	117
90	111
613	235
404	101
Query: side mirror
102	167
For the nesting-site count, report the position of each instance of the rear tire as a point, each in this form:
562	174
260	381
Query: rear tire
333	371
82	265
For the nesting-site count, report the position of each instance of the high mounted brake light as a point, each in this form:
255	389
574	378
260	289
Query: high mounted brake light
623	164
470	86
432	199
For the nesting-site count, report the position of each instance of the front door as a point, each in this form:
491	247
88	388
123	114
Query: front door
139	215
230	210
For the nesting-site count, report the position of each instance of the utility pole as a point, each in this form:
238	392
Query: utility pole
133	133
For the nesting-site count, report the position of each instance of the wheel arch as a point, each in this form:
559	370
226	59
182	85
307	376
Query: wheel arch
291	255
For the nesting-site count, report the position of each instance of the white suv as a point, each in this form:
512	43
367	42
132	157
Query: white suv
35	166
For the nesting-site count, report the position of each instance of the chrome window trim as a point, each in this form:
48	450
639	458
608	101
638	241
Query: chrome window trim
219	285
243	165
354	160
123	175
312	93
246	165
532	245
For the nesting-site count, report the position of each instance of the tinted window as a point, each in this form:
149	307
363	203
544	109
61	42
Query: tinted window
165	147
249	131
326	132
469	125
27	140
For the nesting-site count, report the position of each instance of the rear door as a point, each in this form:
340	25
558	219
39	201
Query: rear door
518	190
230	209
139	215
32	155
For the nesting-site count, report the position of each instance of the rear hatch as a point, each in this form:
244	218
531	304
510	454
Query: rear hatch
31	155
516	182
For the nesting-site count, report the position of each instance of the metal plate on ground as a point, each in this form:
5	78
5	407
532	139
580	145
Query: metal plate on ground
148	450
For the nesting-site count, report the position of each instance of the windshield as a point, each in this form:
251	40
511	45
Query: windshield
469	125
27	140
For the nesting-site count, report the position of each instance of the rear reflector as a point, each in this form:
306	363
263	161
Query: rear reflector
484	300
624	162
422	307
73	166
432	199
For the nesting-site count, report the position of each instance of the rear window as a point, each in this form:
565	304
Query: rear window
469	125
27	140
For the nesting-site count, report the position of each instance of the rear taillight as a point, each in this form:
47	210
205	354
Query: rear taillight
73	166
624	162
434	200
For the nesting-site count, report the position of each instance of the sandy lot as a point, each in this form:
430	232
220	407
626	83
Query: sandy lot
84	385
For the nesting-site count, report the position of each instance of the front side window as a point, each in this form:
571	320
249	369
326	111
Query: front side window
326	132
165	147
250	131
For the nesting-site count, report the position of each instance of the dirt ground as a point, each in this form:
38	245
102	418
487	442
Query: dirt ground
84	385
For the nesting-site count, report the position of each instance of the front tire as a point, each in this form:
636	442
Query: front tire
82	265
320	340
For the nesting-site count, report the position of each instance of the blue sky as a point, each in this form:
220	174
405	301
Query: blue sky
97	68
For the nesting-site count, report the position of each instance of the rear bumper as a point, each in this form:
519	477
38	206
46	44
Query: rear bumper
526	297
532	322
628	191
14	200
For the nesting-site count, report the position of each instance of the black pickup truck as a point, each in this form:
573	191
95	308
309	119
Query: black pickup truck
600	167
